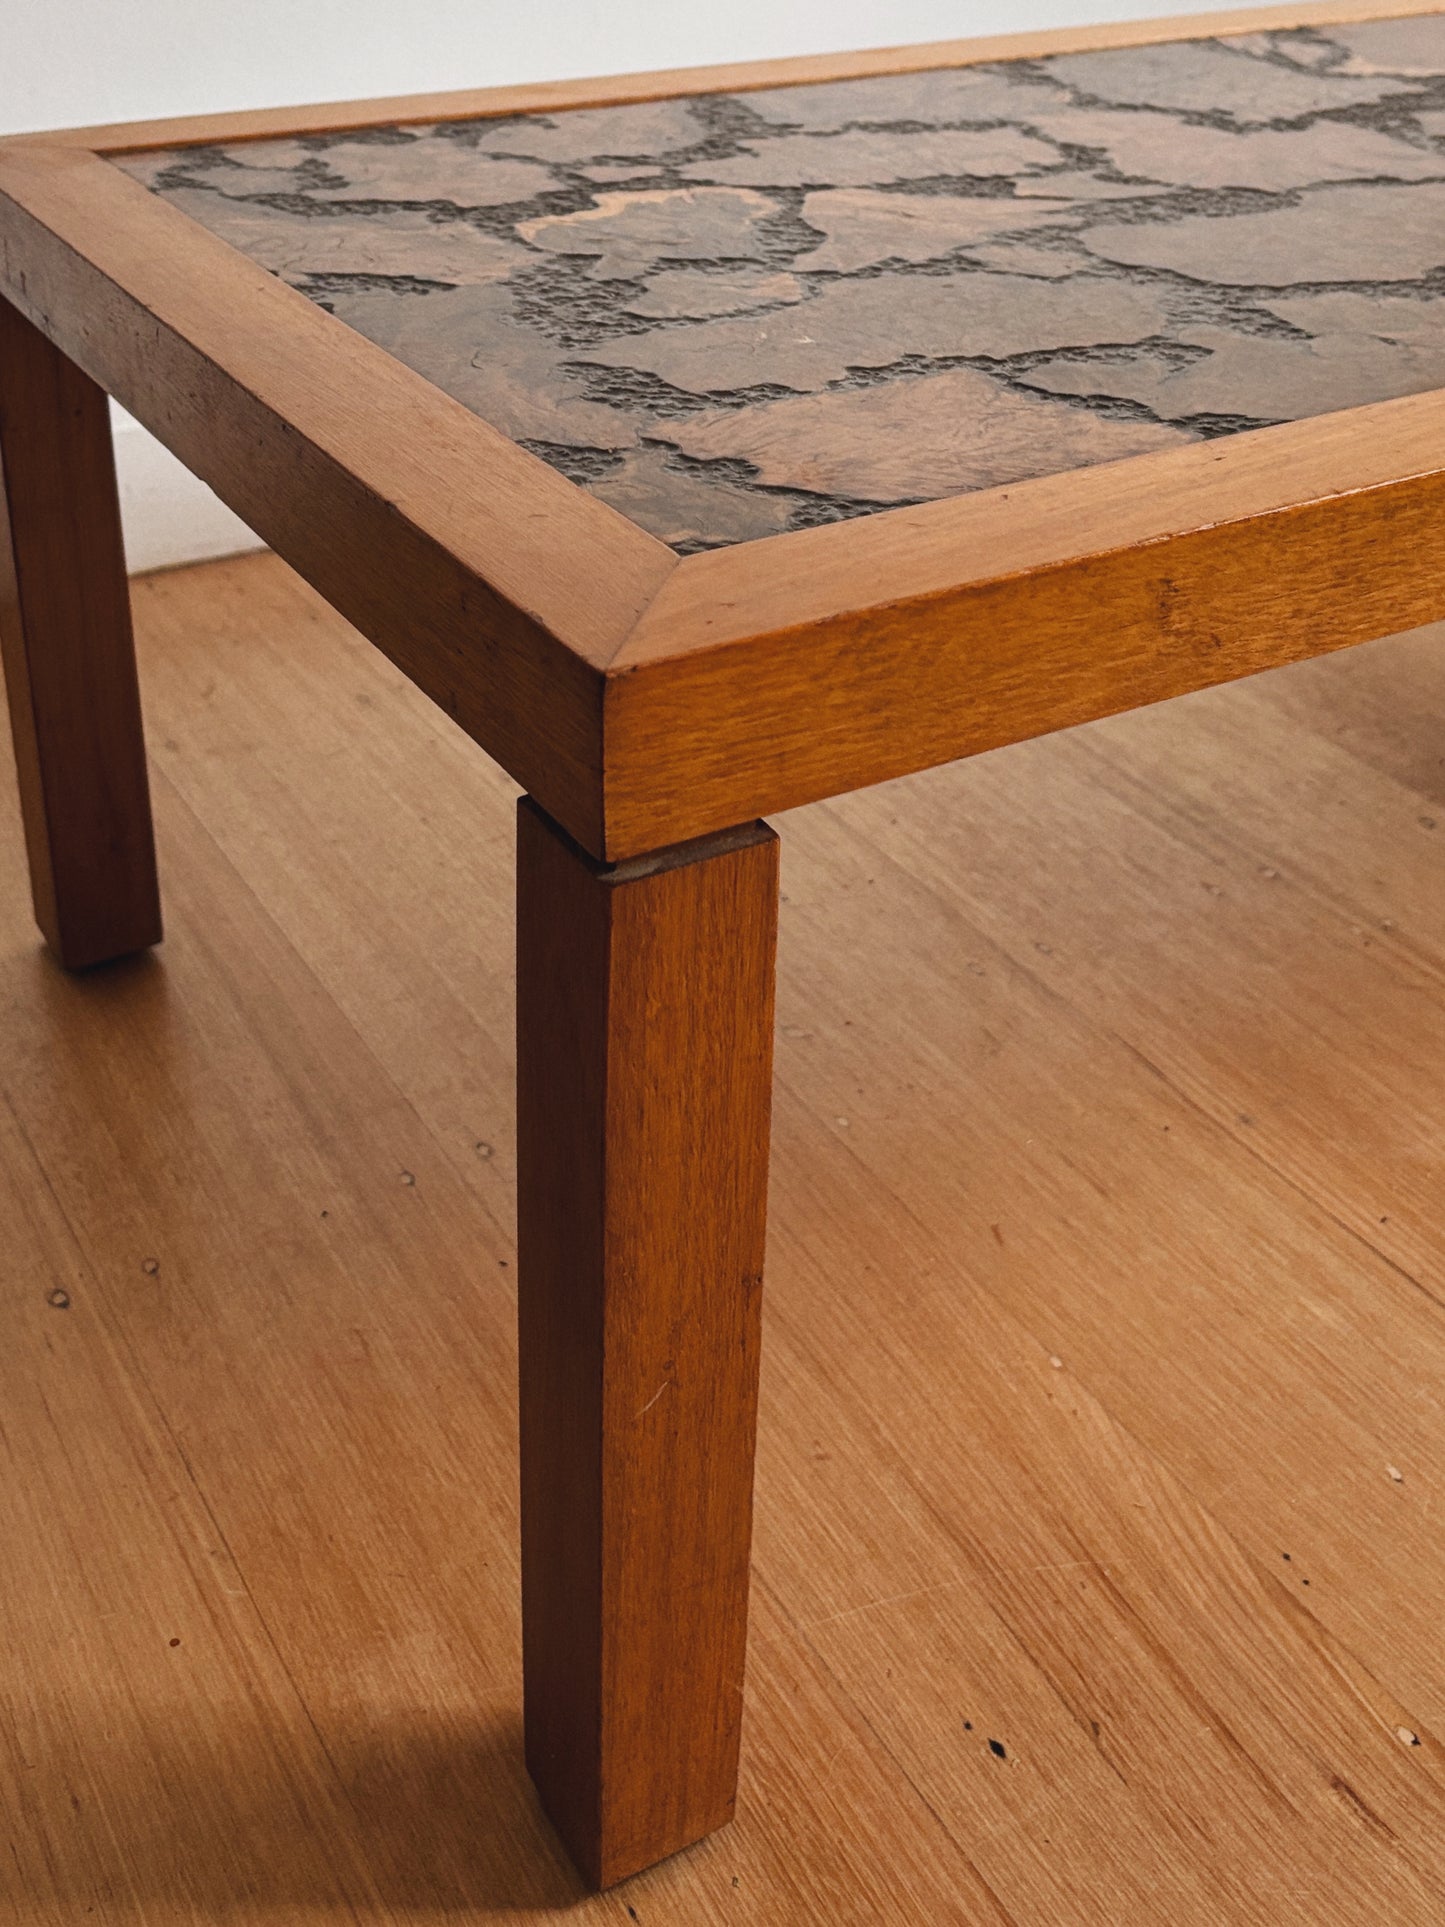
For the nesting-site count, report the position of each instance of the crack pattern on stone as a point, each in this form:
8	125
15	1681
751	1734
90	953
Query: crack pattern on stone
734	315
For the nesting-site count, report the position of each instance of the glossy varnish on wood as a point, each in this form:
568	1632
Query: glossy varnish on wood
65	641
1104	1272
644	1018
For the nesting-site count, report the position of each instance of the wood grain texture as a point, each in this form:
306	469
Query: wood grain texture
68	657
169	1715
644	1017
822	661
983	1160
494	583
540	97
645	703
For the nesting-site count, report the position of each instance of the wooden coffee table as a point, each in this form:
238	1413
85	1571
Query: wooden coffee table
705	444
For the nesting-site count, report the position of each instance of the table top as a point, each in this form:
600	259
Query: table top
734	314
708	443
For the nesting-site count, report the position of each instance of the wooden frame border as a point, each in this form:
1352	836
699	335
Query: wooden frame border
801	666
645	700
497	585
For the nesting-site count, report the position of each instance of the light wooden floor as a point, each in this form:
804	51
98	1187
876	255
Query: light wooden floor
1098	1576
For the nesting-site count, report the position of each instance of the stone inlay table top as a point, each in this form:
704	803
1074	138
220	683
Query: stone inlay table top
705	445
735	314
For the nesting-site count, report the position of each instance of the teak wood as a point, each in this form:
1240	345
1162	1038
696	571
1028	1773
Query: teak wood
65	641
582	653
497	586
644	1061
648	704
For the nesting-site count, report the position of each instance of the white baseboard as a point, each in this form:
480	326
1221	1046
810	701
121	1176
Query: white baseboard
168	516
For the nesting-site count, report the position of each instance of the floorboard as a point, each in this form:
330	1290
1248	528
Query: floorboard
1096	1579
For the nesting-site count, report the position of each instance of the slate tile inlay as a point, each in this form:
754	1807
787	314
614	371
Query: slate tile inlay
732	315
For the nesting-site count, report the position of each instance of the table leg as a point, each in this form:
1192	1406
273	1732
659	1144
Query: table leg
69	661
644	1022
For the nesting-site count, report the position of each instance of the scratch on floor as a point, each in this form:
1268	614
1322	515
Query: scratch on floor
892	1599
1056	1565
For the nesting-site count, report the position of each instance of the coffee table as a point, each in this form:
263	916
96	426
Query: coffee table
708	443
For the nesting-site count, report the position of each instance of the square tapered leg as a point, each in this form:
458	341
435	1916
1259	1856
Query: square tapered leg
645	1010
69	661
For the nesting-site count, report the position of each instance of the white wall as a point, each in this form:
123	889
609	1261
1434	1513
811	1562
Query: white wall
69	62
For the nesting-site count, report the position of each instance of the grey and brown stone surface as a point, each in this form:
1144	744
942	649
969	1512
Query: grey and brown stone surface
732	315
